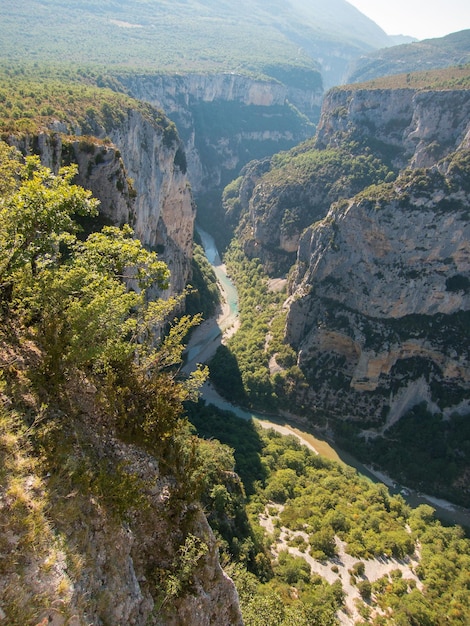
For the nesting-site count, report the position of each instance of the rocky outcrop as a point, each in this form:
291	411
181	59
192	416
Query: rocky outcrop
402	126
364	266
128	567
174	90
163	209
227	119
118	537
158	563
412	266
137	170
380	298
364	136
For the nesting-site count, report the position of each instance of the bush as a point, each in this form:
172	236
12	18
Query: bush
365	589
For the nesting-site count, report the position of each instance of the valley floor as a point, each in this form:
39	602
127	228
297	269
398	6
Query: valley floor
339	567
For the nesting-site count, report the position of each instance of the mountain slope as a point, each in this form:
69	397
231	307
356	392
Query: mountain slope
184	36
453	49
241	80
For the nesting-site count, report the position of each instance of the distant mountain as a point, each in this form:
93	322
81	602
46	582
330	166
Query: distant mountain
241	80
453	49
209	35
398	40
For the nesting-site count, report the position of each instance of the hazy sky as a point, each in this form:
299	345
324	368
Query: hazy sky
419	18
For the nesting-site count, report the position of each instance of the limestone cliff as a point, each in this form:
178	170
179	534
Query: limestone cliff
364	136
380	290
119	536
137	169
379	306
369	222
228	119
404	126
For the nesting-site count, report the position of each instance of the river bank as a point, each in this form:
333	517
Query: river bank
213	332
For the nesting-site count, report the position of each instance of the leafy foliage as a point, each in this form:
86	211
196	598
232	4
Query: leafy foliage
73	295
36	212
324	500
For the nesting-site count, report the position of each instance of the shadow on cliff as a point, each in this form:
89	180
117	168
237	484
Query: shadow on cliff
238	433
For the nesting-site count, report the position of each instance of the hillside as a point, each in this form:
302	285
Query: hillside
428	54
367	133
98	496
248	36
448	78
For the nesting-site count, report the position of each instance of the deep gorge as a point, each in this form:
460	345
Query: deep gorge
342	218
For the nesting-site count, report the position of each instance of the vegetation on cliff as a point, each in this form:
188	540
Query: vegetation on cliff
33	101
94	445
443	52
435	79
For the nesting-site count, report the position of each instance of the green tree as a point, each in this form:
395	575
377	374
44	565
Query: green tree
76	296
292	569
36	213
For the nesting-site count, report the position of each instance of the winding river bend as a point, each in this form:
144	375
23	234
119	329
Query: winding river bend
205	341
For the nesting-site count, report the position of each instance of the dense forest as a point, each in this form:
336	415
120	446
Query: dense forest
279	40
324	522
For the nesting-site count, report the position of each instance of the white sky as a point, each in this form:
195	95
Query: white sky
422	19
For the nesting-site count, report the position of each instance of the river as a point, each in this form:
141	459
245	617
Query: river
205	341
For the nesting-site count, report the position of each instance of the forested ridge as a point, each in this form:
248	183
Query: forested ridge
279	40
415	57
34	100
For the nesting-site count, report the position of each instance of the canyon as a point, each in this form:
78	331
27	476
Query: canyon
364	215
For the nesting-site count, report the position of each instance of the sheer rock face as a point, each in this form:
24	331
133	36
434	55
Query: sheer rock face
401	127
140	178
131	563
228	119
164	210
413	128
380	293
125	565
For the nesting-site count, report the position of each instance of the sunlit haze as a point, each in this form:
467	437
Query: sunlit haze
417	18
